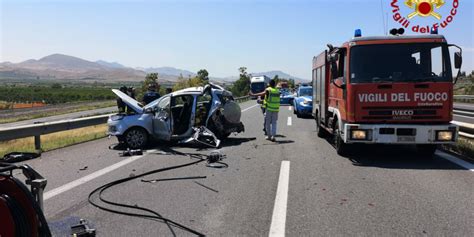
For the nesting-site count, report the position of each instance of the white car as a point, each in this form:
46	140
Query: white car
176	116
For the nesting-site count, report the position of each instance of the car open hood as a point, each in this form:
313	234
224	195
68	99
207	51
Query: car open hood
129	101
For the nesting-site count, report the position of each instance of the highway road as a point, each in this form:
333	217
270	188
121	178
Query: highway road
74	115
297	186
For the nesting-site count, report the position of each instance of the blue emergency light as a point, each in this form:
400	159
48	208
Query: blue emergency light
358	33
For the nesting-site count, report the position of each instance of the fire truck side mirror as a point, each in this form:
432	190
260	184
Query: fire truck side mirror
334	71
457	60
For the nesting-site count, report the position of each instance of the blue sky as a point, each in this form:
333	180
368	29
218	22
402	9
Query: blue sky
219	35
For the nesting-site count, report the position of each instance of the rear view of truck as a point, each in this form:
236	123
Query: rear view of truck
386	90
258	84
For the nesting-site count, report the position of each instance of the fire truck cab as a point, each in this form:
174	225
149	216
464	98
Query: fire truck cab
387	89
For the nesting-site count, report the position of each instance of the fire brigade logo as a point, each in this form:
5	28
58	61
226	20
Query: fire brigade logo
424	8
433	14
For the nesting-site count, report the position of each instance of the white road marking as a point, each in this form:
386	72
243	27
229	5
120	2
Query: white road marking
290	108
88	178
289	121
456	160
277	227
250	107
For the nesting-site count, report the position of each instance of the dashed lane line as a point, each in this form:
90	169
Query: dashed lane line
289	121
277	227
88	178
250	107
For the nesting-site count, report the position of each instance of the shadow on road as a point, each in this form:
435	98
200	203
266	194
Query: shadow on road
396	157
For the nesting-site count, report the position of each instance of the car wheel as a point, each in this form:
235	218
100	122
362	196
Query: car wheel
426	151
298	114
341	147
136	138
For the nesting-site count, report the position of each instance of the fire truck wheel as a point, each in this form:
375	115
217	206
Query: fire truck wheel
426	151
341	147
320	131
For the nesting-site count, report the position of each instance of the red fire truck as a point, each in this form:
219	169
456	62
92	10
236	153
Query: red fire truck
389	89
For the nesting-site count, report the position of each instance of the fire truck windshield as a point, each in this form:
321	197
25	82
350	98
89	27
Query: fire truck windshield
400	63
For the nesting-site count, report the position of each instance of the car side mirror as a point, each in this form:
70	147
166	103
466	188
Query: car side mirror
149	110
457	60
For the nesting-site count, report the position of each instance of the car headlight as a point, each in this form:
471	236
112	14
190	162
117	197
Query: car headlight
117	117
444	135
359	134
305	102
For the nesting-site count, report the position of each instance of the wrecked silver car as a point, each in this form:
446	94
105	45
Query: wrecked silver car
181	116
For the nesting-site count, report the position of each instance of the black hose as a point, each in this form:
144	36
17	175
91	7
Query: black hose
154	215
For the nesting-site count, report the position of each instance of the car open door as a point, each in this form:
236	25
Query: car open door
162	121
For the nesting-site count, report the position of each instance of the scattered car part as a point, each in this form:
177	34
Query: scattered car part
203	136
128	152
82	230
14	157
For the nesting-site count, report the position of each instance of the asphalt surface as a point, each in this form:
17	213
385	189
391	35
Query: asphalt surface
379	191
61	117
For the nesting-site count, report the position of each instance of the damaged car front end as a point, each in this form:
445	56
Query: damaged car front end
178	116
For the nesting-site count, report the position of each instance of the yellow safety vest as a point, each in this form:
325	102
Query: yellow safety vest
272	102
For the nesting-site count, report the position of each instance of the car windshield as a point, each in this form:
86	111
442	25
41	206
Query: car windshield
400	63
257	87
306	92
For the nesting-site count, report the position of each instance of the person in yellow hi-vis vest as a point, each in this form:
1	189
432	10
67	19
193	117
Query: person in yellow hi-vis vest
271	103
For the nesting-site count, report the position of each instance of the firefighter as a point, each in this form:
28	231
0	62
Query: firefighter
150	95
271	103
121	106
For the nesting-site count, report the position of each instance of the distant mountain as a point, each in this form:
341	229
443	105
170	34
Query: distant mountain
171	71
60	62
65	67
60	66
280	74
110	64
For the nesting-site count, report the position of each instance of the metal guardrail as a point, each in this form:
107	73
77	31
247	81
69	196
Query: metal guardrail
242	99
36	130
464	98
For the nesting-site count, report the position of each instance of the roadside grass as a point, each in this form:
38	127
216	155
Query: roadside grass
57	112
54	140
4	105
464	147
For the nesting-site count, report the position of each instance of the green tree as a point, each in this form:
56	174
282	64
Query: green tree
242	86
203	75
291	83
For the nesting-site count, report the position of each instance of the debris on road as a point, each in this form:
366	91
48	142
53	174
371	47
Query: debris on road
14	157
84	168
171	179
128	152
203	136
